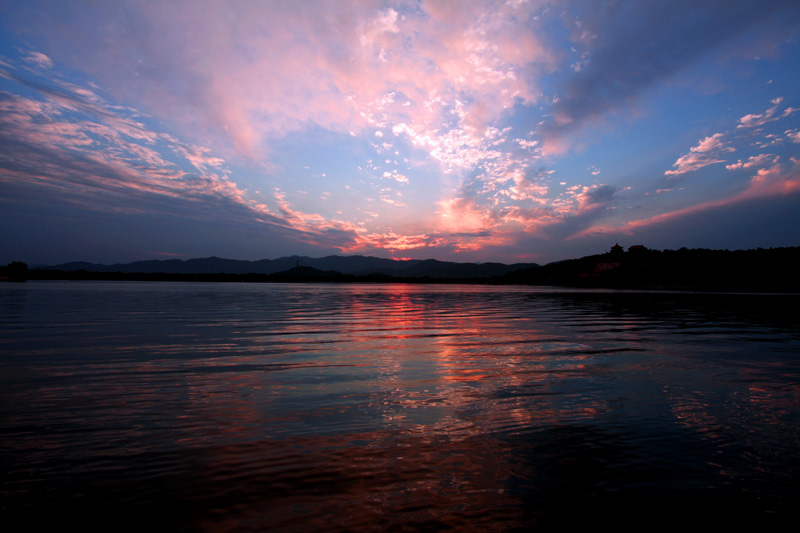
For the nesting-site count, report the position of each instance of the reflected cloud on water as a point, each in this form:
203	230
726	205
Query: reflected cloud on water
350	407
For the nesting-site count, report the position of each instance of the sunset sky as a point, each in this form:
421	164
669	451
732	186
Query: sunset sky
459	130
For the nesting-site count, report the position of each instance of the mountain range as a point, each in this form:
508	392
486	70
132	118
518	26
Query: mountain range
356	265
759	270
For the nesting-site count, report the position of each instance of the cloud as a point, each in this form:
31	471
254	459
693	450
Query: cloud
78	148
438	75
628	47
599	195
394	242
99	157
566	217
465	215
704	154
343	67
223	99
38	59
775	180
711	149
753	161
754	120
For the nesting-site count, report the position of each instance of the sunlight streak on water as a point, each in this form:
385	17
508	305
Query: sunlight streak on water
237	406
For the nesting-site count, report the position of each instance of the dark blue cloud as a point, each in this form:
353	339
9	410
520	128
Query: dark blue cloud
634	45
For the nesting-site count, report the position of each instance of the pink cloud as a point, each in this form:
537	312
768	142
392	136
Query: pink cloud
393	242
96	156
753	120
39	59
464	215
776	180
120	162
439	76
565	216
336	66
710	143
442	77
753	161
711	149
702	155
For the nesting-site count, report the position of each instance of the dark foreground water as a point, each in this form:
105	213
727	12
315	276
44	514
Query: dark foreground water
227	407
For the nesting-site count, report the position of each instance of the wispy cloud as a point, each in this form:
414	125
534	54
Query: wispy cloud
755	120
472	127
75	147
38	59
754	161
714	148
445	70
626	48
775	180
705	153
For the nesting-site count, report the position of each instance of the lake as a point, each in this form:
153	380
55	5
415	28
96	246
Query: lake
400	407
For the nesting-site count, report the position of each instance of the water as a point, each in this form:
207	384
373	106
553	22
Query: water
239	407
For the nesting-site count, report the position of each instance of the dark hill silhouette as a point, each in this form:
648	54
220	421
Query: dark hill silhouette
761	270
353	265
14	271
773	269
306	273
441	269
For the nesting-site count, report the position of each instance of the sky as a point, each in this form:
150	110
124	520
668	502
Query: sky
510	131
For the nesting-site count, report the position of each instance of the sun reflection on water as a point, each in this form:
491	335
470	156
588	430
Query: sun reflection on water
371	407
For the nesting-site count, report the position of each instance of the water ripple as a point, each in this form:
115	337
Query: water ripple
367	407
